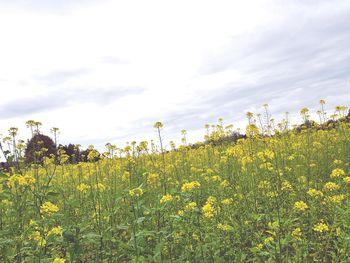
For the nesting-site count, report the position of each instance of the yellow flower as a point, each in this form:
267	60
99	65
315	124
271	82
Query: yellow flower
56	231
158	125
259	247
100	187
83	188
21	180
152	179
33	223
321	227
224	227
187	187
224	184
346	180
211	200
92	155
264	185
337	173
269	154
166	198
301	206
125	176
337	161
216	178
227	201
296	234
302	179
268	240
136	192
195	237
49	208
330	186
37	237
314	193
190	206
336	198
286	186
208	209
59	260
272	194
338	231
6	202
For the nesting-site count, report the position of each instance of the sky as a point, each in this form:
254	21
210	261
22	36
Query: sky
106	71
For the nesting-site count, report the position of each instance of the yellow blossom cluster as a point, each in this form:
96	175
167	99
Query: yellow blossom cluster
297	233
136	192
300	205
49	208
187	187
321	227
224	227
314	193
208	209
191	206
83	187
166	198
331	186
21	180
337	173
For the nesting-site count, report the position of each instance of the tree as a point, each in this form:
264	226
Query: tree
73	151
38	147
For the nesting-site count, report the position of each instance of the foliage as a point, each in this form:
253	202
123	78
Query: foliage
266	198
38	147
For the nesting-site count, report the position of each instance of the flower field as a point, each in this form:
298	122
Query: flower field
280	198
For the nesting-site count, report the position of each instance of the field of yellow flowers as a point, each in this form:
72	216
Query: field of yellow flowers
280	198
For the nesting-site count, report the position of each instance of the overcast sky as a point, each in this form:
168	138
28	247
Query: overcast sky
105	71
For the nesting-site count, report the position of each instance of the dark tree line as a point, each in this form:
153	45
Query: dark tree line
41	146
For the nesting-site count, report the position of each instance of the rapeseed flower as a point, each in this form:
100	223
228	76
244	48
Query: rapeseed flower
346	180
268	240
297	234
166	198
136	192
337	173
59	260
56	231
335	198
125	176
187	187
224	227
49	208
191	206
300	205
330	186
208	209
227	201
83	187
321	227
152	179
314	193
100	187
224	184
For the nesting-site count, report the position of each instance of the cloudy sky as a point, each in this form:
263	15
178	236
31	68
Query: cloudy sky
105	71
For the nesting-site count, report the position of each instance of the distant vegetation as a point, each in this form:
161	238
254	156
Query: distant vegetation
278	193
